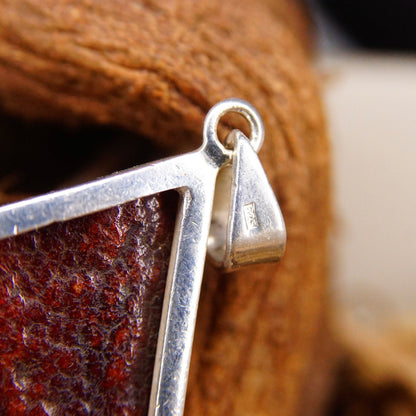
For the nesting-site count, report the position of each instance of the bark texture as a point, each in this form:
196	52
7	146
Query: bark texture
155	68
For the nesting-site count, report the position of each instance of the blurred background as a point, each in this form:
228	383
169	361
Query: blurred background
367	62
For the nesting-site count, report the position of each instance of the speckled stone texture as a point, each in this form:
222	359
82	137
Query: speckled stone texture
80	305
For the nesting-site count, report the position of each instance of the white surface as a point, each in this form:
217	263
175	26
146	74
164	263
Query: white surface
371	107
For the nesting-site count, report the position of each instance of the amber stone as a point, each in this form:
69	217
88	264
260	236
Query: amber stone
80	304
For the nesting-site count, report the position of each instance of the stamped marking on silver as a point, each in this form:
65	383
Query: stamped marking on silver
250	216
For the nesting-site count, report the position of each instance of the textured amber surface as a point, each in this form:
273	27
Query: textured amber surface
80	306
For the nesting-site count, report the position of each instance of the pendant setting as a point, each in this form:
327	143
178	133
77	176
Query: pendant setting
227	209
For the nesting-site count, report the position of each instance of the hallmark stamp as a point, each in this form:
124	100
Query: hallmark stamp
250	216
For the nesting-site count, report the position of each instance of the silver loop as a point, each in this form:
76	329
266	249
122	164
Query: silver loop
234	105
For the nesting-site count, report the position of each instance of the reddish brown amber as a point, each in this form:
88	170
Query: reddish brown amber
80	305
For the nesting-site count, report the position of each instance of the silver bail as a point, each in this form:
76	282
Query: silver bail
247	223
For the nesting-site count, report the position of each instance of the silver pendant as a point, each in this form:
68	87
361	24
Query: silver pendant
227	208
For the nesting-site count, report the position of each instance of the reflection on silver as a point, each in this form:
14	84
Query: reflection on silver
247	227
247	224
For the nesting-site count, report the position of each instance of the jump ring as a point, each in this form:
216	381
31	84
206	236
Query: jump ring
234	105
